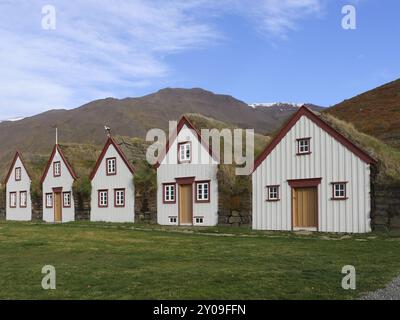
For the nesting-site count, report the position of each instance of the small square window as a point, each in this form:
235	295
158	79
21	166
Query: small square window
18	174
272	193
57	168
339	190
111	164
303	146
199	220
173	219
184	152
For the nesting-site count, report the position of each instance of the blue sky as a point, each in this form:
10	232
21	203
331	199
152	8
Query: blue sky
256	51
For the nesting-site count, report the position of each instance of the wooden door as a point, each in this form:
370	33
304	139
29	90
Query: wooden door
305	208
57	207
185	204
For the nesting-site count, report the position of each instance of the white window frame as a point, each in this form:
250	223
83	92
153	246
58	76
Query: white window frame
13	199
185	152
49	200
273	193
199	220
304	146
18	174
66	196
103	199
173	219
339	193
111	166
57	168
169	193
119	195
201	195
25	197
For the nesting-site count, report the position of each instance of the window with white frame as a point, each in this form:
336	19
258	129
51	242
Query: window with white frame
18	174
111	166
22	199
185	152
199	220
66	199
203	191
13	199
169	193
57	168
272	193
303	146
119	199
339	190
173	219
49	200
103	198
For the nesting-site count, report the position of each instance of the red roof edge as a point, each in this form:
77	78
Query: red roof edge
184	120
53	153
16	156
304	111
111	141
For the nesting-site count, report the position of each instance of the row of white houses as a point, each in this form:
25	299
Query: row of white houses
309	177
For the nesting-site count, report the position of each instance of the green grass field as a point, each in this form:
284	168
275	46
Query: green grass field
110	261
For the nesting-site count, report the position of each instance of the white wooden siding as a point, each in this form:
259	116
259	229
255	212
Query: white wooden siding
329	160
18	213
65	181
122	180
202	167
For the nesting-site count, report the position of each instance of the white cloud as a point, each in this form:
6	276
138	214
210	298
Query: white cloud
103	48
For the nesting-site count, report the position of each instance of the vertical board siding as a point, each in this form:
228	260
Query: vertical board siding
328	160
65	181
122	180
202	167
18	213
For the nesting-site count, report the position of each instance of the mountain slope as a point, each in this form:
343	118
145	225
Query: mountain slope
376	112
131	117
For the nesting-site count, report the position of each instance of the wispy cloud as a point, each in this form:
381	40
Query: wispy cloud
108	48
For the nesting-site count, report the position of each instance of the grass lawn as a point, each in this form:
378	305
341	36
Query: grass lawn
111	261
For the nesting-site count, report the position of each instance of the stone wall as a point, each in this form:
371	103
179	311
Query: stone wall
2	203
234	211
385	207
146	208
82	208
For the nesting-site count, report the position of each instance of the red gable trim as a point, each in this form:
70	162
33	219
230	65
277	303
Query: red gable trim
111	141
70	169
184	121
16	156
304	111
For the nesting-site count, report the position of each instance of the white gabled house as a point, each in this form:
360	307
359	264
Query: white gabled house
57	182
18	191
187	185
311	177
113	190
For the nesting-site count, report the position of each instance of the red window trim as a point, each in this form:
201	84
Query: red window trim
163	194
298	146
26	199
278	193
20	174
98	198
111	174
16	199
115	198
70	199
179	149
304	183
209	192
345	190
52	200
54	169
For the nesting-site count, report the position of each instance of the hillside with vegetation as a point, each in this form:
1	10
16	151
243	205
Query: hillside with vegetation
375	112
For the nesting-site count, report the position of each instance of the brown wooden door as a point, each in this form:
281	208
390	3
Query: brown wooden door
185	204
305	208
57	207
